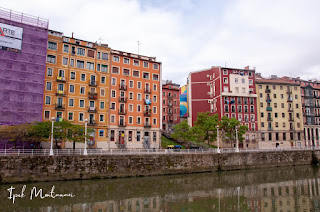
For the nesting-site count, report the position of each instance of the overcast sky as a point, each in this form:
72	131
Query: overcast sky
279	37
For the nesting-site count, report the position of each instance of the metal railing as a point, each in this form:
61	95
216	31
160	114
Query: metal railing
66	152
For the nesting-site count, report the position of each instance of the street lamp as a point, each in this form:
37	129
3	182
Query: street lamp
51	146
237	147
85	152
218	150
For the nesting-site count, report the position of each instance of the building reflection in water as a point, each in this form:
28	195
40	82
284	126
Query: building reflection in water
281	189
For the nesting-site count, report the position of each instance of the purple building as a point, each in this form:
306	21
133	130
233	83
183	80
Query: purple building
23	48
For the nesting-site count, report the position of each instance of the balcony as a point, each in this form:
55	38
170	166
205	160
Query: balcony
170	97
147	125
291	119
122	123
92	109
59	106
268	90
92	95
147	112
93	83
269	108
170	112
289	99
92	123
269	119
290	110
268	99
147	90
60	93
61	79
147	101
122	87
123	99
289	92
122	112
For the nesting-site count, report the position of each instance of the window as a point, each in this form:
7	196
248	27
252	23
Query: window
103	80
243	81
46	114
101	118
126	60
139	85
71	102
139	96
99	55
71	62
65	61
250	82
138	120
80	64
72	75
225	72
48	86
145	75
130	107
90	66
116	59
98	67
52	45
70	116
49	72
138	108
101	105
71	88
101	133
113	81
126	72
283	115
83	77
90	53
104	56
113	94
131	84
81	51
138	135
130	119
154	121
112	119
82	90
131	96
80	116
225	80
51	59
155	77
104	68
113	106
236	80
48	100
136	62
81	103
135	73
115	70
145	64
154	98
112	135
102	92
155	66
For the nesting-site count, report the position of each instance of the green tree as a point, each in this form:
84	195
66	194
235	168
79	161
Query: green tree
182	131
205	127
229	128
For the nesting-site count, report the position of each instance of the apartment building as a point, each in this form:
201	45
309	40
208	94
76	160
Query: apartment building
170	105
280	119
228	92
77	81
135	101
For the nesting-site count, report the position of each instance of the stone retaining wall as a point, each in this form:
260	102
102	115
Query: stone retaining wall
39	168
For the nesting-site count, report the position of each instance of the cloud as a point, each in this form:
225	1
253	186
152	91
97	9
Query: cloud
277	37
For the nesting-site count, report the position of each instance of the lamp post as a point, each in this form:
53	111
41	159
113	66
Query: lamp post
218	150
85	152
237	145
51	146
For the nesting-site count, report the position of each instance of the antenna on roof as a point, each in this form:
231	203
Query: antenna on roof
138	46
100	39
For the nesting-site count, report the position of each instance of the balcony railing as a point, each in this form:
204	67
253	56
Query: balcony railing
122	123
122	112
291	119
269	108
147	90
170	97
289	99
93	83
92	123
123	87
147	112
269	119
123	99
147	125
92	109
289	91
61	79
290	110
59	106
147	101
169	104
60	93
92	95
268	90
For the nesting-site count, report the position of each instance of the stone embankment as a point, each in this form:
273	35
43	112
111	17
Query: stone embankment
40	168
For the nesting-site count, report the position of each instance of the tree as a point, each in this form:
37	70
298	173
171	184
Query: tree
205	127
229	128
182	131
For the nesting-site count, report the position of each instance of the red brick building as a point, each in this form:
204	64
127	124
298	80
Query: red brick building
170	105
228	92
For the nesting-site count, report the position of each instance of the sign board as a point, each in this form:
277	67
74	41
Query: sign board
10	37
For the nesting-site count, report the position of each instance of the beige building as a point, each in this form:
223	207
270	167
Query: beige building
280	117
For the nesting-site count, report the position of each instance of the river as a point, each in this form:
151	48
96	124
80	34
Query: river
277	189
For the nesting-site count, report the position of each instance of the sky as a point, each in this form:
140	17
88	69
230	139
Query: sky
277	37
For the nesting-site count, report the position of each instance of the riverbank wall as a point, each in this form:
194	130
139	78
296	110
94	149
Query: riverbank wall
14	169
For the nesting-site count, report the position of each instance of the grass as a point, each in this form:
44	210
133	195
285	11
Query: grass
165	142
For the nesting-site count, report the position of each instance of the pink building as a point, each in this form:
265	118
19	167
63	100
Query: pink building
228	92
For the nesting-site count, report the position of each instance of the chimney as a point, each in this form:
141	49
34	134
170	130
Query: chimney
72	35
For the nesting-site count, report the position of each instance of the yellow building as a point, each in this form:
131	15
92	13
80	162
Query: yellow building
280	118
77	83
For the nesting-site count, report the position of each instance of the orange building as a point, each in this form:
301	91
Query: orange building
135	101
77	84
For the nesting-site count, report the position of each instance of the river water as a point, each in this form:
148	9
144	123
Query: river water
278	189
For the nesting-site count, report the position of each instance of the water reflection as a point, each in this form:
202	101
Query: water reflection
280	189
